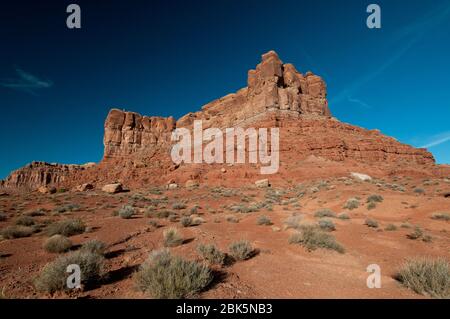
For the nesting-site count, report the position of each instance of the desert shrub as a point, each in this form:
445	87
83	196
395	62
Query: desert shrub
312	238
172	237
94	246
232	219
156	191
12	232
426	276
441	216
211	253
197	221
35	213
326	224
375	198
406	225
67	227
427	238
371	205
153	223
241	250
419	190
167	277
343	216
293	221
67	208
264	220
25	221
57	244
325	213
53	276
416	234
391	227
126	212
186	221
179	206
164	214
352	203
371	223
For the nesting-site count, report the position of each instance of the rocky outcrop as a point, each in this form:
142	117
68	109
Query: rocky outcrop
41	174
137	148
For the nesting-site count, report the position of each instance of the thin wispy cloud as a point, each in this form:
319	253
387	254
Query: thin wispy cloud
409	35
26	82
358	102
438	140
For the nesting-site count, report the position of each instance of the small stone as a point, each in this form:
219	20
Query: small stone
112	188
262	183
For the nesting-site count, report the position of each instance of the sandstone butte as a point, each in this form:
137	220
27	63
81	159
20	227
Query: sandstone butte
313	144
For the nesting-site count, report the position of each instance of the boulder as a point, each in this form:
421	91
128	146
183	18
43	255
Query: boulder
172	186
84	187
361	177
46	190
112	188
191	183
262	183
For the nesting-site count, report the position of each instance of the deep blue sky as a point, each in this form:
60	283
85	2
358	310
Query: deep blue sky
171	57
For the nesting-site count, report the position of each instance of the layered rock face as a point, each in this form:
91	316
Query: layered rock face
37	174
137	148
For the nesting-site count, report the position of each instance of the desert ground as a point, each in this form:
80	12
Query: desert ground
408	219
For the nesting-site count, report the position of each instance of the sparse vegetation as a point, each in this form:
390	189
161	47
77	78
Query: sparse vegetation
326	224
232	219
390	227
351	204
68	227
371	223
53	276
12	232
375	198
264	220
371	205
179	206
57	244
126	212
172	237
94	246
419	190
325	213
293	221
416	234
343	216
165	276
25	221
441	216
241	250
3	217
426	276
311	237
212	254
186	221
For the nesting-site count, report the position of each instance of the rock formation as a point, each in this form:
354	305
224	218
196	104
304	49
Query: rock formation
136	148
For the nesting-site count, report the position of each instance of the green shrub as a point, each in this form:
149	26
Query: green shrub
371	223
325	213
172	237
264	220
426	276
186	221
241	250
212	254
441	216
327	224
67	228
12	232
57	244
53	276
126	212
293	221
416	234
312	238
179	206
167	277
25	221
343	216
375	199
391	227
94	246
352	203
